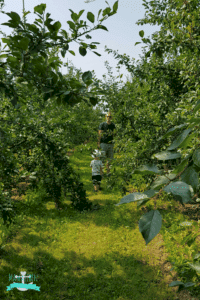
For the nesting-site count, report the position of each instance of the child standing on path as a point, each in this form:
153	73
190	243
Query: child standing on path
97	172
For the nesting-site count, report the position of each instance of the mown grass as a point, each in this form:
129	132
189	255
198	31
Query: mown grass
92	255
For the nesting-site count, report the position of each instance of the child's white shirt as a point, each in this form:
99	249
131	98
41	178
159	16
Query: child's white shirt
96	164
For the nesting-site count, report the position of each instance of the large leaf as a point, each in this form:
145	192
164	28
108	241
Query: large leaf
179	139
180	190
14	16
162	180
193	121
196	157
181	166
166	155
181	284
11	24
132	197
40	8
147	170
188	141
195	266
197	106
190	176
172	130
150	225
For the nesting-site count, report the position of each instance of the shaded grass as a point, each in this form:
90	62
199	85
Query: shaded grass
90	255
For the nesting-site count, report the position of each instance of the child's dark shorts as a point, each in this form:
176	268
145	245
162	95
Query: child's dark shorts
96	179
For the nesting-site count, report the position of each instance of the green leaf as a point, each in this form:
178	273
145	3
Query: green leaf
172	131
93	100
101	27
136	196
137	43
12	59
11	24
90	17
88	36
80	13
191	177
23	44
66	93
147	170
6	41
96	53
3	56
72	52
14	16
193	121
66	46
71	24
179	139
196	157
197	107
187	142
99	13
64	33
150	225
74	16
26	13
39	20
141	33
32	28
40	8
180	190
82	51
106	11
147	54
196	267
162	180
180	167
86	76
57	26
115	6
166	155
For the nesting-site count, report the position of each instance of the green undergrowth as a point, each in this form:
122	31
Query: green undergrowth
92	255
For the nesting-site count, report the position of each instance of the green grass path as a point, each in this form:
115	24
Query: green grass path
96	255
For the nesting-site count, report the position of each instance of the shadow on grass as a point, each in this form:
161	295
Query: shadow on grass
77	277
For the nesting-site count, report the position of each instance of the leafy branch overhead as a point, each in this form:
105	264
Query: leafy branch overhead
26	57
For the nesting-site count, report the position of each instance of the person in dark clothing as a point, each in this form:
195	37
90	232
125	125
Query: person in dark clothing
105	141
